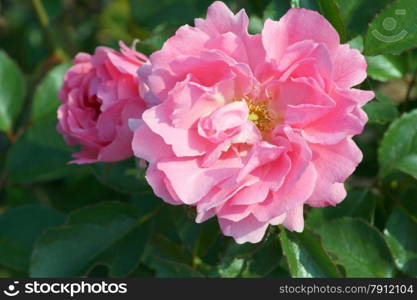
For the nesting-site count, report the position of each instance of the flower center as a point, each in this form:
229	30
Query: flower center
261	115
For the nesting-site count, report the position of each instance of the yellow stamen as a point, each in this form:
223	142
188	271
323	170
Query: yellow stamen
260	115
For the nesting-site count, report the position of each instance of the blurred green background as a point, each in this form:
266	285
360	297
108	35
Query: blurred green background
31	34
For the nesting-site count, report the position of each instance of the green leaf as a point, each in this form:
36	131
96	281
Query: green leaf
347	7
401	236
45	101
142	271
358	247
386	67
381	110
234	258
330	10
44	134
198	238
125	176
167	254
275	10
164	247
305	255
356	43
256	25
295	3
235	250
78	190
208	234
358	203
167	237
408	200
40	154
146	201
358	13
399	146
12	90
309	4
280	272
264	261
18	196
172	269
231	269
408	164
394	30
110	233
19	228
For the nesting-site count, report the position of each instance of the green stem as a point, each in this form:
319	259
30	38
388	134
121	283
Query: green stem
41	13
44	21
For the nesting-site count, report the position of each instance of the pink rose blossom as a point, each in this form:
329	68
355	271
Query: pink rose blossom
249	128
100	93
